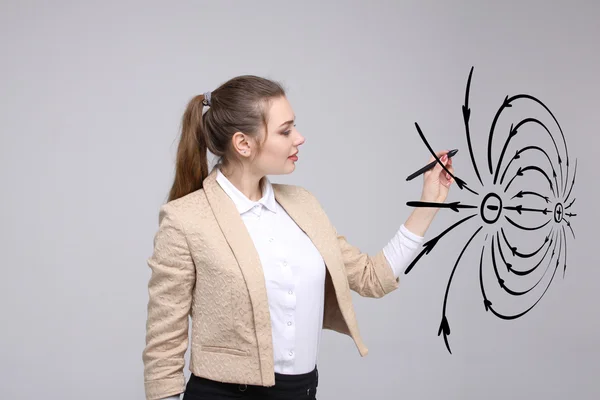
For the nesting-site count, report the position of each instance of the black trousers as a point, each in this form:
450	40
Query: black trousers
287	387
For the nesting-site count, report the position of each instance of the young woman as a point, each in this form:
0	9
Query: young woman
258	266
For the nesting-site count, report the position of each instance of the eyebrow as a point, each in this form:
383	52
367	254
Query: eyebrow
288	122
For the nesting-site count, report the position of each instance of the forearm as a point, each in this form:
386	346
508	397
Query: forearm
419	220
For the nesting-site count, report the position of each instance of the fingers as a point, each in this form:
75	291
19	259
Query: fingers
437	170
451	169
448	178
439	155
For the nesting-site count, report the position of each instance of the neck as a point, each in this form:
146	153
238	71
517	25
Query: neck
246	182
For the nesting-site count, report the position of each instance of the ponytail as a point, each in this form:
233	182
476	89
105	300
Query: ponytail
191	166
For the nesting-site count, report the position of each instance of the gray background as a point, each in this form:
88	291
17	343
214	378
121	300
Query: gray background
92	95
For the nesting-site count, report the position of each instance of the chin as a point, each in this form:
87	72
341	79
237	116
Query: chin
292	168
287	168
284	171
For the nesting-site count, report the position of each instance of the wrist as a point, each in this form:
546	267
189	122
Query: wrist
430	199
419	220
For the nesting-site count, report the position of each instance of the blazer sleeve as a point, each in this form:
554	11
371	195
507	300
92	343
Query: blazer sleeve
369	276
169	301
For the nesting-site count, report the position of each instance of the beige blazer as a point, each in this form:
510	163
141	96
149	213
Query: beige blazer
204	264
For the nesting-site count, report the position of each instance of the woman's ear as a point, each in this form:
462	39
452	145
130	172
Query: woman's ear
241	144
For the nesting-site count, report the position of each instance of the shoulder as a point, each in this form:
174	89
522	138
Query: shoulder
302	197
180	208
296	192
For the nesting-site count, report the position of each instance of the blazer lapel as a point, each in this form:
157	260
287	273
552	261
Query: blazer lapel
311	222
243	248
309	216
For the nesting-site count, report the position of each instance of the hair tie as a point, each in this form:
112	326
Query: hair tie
206	100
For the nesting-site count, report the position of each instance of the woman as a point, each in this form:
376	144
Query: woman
258	266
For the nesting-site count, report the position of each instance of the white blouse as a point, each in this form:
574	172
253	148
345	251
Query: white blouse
295	275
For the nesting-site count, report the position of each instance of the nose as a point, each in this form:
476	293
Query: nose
301	139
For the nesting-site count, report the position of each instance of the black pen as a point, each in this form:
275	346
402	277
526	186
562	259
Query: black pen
426	168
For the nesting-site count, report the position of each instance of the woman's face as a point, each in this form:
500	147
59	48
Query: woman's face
283	140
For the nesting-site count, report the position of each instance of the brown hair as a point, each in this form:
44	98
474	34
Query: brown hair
239	105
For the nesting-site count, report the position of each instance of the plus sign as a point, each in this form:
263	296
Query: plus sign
558	212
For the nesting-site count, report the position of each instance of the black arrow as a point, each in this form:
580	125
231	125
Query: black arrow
501	281
428	246
461	184
488	304
455	206
514	250
466	112
506	104
444	326
567	178
512	133
520	209
570	215
570	204
513	223
572	183
523	193
530	168
518	156
445	329
569	225
508	265
528	271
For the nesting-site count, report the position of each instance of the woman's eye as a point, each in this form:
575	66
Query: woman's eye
288	132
